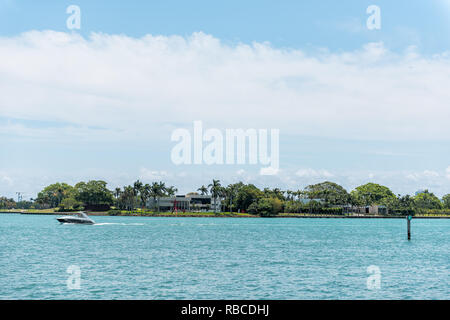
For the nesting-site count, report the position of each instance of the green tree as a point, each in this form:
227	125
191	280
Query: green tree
53	194
274	193
6	203
290	195
266	207
117	192
215	189
371	194
293	206
137	188
145	193
171	191
230	195
446	201
157	190
126	198
427	200
24	204
405	202
70	203
246	195
94	195
203	190
329	192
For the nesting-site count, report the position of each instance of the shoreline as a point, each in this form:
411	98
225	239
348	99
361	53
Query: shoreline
226	215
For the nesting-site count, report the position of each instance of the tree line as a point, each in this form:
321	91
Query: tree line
326	197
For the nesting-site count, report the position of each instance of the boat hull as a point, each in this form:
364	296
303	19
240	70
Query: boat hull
75	220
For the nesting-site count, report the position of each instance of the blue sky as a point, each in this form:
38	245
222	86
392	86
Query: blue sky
336	25
353	105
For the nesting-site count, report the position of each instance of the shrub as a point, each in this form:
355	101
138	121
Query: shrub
402	212
114	212
312	207
62	209
446	201
433	211
69	204
253	208
266	207
98	207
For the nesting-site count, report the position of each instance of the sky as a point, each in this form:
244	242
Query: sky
352	105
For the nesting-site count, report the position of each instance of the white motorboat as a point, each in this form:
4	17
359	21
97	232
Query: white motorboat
79	218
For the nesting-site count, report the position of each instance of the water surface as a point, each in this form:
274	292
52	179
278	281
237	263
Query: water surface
223	258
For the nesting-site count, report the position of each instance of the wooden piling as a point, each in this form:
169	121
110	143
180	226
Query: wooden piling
409	218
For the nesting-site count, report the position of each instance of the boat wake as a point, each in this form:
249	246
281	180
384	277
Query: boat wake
118	224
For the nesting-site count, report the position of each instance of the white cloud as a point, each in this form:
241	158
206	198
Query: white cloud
269	171
5	179
143	87
311	173
426	174
447	173
430	173
150	175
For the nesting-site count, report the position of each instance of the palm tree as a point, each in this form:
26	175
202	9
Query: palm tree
162	188
215	188
230	191
301	194
60	195
51	196
137	187
290	195
154	191
223	193
203	190
117	193
144	194
157	190
171	191
128	195
278	193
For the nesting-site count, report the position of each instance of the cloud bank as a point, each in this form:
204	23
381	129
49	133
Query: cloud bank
119	87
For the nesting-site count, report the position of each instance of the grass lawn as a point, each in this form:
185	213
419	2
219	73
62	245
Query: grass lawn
36	211
140	212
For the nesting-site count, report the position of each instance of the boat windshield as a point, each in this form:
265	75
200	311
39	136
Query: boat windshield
82	215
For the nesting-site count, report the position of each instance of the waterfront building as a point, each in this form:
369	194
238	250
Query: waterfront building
366	210
188	202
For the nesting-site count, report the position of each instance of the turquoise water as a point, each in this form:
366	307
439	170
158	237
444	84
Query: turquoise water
223	258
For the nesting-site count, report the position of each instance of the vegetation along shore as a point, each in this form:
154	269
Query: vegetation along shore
322	200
